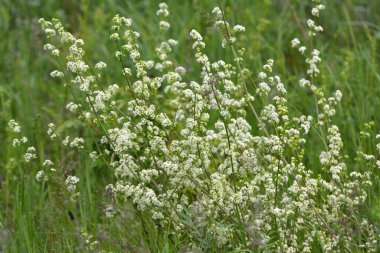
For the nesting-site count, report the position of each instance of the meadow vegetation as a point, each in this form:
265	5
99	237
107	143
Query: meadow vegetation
189	126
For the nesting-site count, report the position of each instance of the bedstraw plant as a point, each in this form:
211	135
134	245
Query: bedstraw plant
211	159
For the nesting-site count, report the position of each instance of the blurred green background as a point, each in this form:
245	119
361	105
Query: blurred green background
37	219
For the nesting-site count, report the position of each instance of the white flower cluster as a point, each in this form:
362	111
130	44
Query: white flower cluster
100	65
30	154
315	11
51	131
77	142
14	126
239	28
295	42
17	142
200	163
163	12
71	186
57	74
40	176
313	61
47	171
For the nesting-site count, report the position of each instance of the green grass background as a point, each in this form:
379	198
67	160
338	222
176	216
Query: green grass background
38	218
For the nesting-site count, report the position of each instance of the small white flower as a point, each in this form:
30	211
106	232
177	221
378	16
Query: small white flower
15	142
239	28
48	47
115	36
338	95
55	52
195	35
295	42
302	49
100	65
41	176
164	25
163	10
217	12
51	131
14	126
71	182
57	74
50	32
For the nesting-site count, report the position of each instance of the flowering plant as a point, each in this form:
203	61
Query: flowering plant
214	159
